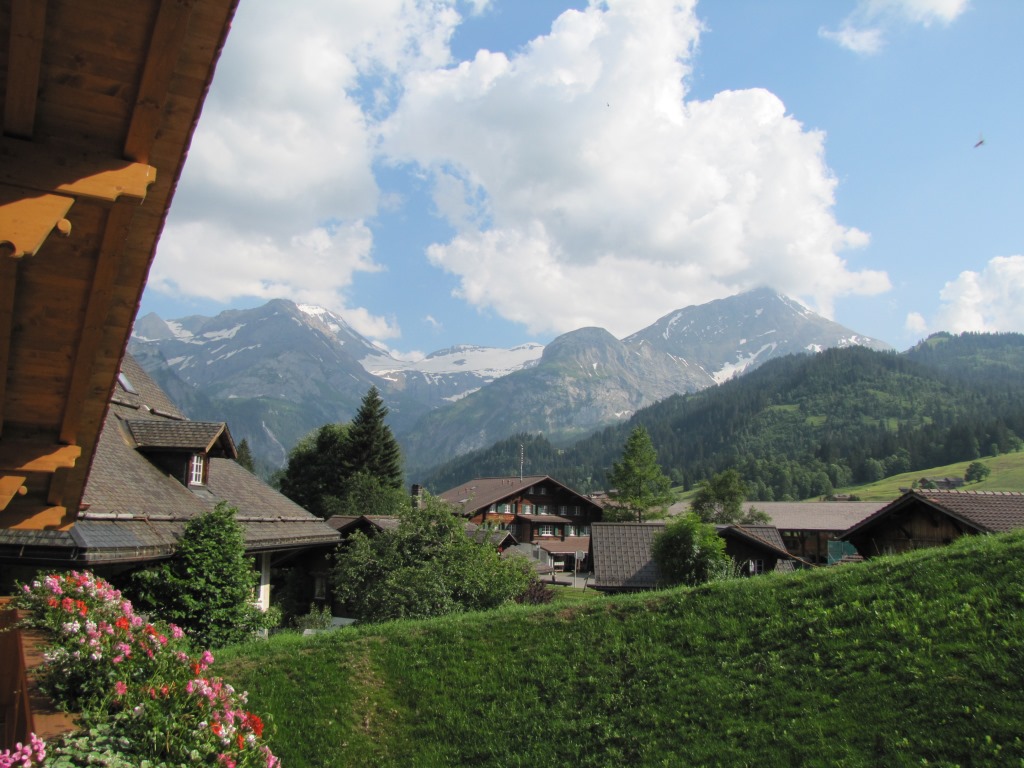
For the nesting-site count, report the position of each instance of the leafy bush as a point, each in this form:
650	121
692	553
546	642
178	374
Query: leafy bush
207	588
426	567
690	552
538	593
140	693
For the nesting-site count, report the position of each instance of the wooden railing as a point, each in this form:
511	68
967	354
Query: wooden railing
23	708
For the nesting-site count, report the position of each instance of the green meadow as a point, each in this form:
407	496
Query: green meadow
912	660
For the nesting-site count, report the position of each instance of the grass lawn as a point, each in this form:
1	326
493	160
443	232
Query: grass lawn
904	661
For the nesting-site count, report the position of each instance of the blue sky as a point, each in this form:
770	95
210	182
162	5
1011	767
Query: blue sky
501	171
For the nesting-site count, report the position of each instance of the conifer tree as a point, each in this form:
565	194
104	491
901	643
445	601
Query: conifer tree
245	455
370	448
641	489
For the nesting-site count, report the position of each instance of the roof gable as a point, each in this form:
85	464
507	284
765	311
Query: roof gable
192	436
984	511
479	493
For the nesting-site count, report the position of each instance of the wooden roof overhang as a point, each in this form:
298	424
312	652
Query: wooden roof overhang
99	102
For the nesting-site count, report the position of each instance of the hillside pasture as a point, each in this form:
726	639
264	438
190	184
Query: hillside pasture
902	661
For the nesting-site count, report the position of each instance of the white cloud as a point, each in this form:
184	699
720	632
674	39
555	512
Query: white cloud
587	189
864	29
280	175
991	300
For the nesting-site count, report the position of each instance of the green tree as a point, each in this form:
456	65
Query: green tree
427	566
245	455
691	552
638	482
720	499
330	471
370	447
208	587
313	478
976	472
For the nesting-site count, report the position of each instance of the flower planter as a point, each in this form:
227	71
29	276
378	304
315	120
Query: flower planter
23	708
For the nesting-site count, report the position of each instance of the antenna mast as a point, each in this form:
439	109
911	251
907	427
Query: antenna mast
521	461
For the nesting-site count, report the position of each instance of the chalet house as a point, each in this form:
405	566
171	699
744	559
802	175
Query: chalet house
153	471
622	557
535	509
930	518
813	530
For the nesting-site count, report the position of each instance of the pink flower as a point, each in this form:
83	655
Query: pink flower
120	688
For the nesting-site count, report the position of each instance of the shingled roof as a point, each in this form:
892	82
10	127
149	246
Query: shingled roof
133	511
622	555
181	435
623	552
481	492
984	511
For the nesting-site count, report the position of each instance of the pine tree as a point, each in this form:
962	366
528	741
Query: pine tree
640	485
370	448
245	455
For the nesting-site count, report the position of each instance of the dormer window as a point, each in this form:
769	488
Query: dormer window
196	469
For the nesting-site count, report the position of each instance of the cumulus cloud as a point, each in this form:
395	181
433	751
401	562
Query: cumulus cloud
588	190
863	31
280	180
991	300
584	185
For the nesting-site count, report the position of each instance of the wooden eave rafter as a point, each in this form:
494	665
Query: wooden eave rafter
40	181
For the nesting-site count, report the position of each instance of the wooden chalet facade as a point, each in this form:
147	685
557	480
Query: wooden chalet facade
535	509
623	560
923	518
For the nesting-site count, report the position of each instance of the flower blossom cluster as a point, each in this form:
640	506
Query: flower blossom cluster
114	665
24	756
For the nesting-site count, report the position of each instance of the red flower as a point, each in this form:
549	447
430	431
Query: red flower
241	741
123	623
253	722
217	728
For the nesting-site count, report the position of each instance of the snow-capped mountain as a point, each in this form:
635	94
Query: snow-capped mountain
280	370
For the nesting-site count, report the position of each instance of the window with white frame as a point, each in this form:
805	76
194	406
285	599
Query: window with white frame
546	530
505	508
541	490
570	530
542	509
562	510
756	566
195	469
584	530
527	509
575	510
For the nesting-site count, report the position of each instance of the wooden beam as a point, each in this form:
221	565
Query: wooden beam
25	58
34	517
27	220
11	486
36	456
8	281
108	264
72	171
164	50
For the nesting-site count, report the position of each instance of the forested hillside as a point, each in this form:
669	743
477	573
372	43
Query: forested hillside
800	426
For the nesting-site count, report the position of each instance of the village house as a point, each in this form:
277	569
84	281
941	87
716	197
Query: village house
537	510
623	560
152	472
813	530
922	518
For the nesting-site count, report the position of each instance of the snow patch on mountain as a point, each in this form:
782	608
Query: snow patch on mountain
179	331
488	362
731	370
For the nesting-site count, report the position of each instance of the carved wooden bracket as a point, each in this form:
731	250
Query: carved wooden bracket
73	172
11	486
26	222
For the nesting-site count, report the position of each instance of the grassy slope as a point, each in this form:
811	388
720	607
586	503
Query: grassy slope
913	660
1007	475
